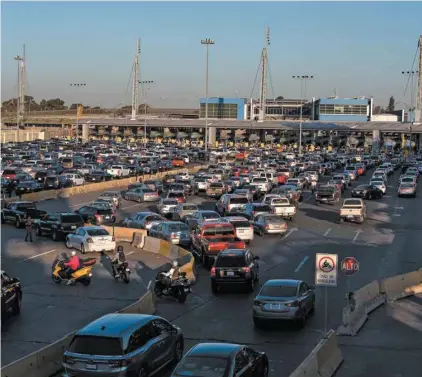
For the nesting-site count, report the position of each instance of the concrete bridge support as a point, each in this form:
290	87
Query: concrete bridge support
376	142
85	133
212	135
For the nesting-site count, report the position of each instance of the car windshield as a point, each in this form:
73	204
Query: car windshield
178	227
240	223
189	208
193	366
97	232
96	345
210	215
216	185
278	291
262	208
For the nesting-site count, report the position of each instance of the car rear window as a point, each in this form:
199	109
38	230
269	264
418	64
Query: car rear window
148	190
190	208
278	291
219	231
262	208
353	202
170	202
202	367
97	232
71	219
230	261
23	206
175	194
216	185
239	200
240	224
96	345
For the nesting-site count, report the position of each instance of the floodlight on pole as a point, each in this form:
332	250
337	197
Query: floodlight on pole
207	42
77	85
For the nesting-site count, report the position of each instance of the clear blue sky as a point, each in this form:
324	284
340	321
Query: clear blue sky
360	48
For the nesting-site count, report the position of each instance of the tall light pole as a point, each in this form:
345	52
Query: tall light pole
303	80
207	42
412	75
145	105
20	105
77	85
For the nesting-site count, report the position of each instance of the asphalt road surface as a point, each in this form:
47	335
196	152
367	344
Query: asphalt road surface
388	243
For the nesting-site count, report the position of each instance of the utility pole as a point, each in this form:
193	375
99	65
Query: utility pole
135	82
20	108
207	42
419	99
263	88
145	105
303	80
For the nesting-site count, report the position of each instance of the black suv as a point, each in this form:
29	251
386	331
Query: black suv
11	295
57	225
234	267
95	215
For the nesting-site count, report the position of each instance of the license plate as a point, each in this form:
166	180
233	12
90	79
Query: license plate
91	366
102	242
230	273
240	231
350	216
93	179
107	217
275	306
73	226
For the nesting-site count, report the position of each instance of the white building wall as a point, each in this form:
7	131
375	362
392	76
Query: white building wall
385	118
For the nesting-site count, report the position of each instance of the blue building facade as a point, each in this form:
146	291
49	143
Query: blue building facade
223	108
343	109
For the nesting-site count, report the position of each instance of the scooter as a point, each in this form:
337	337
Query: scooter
82	275
178	289
123	272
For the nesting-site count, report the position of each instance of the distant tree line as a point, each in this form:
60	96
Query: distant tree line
388	110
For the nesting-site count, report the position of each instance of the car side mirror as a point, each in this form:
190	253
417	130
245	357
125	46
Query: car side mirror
257	257
311	287
173	331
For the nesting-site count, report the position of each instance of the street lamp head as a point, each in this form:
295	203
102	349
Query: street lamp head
207	41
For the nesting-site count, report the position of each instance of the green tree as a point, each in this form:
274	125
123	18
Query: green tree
279	98
391	104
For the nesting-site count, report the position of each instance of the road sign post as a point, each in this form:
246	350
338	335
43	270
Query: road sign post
326	271
349	266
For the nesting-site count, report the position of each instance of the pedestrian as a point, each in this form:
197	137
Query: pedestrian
9	188
28	227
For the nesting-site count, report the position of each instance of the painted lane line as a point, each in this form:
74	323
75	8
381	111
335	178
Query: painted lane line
357	235
304	260
130	253
328	231
290	232
38	255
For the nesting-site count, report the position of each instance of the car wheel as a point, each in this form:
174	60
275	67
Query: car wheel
251	285
17	306
369	196
265	370
68	244
18	222
38	231
83	251
139	200
256	322
260	232
54	236
3	220
302	320
143	372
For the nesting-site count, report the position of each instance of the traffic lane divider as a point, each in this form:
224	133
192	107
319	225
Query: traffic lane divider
401	286
145	305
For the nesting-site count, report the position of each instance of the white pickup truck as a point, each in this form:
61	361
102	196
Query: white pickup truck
262	184
119	171
353	210
283	208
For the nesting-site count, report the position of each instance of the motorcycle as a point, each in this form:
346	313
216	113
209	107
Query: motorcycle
123	272
178	289
82	275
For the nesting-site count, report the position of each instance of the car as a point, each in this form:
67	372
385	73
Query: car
113	195
174	232
234	267
58	224
11	295
143	194
379	183
124	345
165	207
268	223
183	211
367	192
222	360
143	220
96	214
250	210
406	189
91	239
284	300
244	230
199	217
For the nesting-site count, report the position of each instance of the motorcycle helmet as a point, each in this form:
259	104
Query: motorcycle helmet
73	253
120	249
175	264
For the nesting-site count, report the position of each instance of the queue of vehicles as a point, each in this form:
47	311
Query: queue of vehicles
250	200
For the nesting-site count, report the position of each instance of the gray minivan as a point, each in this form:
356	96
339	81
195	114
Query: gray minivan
124	345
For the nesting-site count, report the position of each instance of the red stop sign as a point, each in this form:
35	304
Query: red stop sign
350	266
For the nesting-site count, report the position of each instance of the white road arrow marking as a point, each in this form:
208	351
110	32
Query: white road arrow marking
328	231
290	232
359	231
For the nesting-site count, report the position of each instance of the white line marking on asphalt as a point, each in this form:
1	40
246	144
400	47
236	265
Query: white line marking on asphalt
328	231
133	205
359	231
304	260
290	232
38	255
81	204
130	253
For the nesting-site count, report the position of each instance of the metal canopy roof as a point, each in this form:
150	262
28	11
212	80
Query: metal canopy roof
247	124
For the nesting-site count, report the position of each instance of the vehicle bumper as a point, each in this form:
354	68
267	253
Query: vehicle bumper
154	199
108	246
275	231
230	280
406	193
121	372
291	315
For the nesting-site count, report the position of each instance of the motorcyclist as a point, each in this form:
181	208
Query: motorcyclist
72	265
118	260
171	275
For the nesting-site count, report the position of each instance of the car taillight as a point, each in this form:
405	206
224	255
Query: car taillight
251	227
267	227
89	240
213	271
98	217
125	362
173	235
285	226
68	360
246	270
258	303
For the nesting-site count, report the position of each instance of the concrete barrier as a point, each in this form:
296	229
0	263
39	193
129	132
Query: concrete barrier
400	286
307	368
152	244
355	314
124	234
139	240
43	363
328	355
145	305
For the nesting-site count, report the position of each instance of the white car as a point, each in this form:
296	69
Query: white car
91	239
244	230
380	184
77	179
119	171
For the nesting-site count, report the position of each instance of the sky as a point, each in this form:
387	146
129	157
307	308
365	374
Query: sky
355	48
